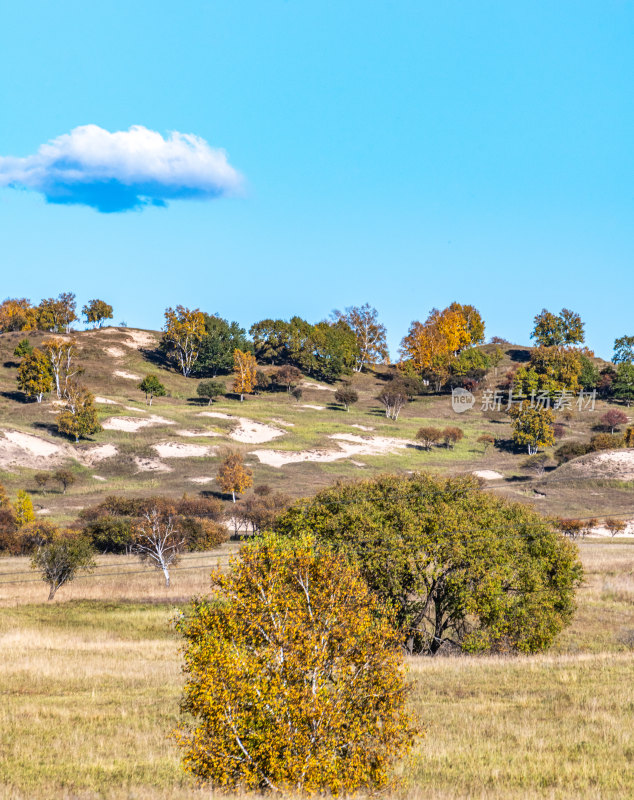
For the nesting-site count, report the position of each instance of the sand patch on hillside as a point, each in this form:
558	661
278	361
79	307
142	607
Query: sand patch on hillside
151	465
180	450
488	474
617	464
246	430
349	444
282	422
106	401
25	450
99	478
315	408
133	424
138	340
129	376
363	427
313	385
115	352
134	408
202	479
97	454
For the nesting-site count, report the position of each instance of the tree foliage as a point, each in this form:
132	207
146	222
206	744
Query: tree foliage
245	369
24	513
57	314
532	426
79	416
184	331
551	330
370	335
17	314
551	370
152	387
35	377
233	477
293	680
217	346
210	389
392	397
96	312
346	395
60	560
461	567
623	383
623	350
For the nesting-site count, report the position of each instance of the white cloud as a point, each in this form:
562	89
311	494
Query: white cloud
122	170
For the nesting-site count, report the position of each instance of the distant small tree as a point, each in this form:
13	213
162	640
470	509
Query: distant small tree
615	526
79	418
23	348
392	398
452	435
428	436
59	561
96	312
35	378
605	441
589	525
532	427
623	383
347	396
261	509
152	387
486	440
159	537
537	464
288	376
24	513
297	392
613	418
233	477
628	439
572	528
210	389
65	478
244	367
623	350
41	479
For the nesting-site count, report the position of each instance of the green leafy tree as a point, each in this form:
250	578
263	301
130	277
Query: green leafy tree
79	417
462	568
23	348
210	390
370	335
96	312
152	387
221	338
623	383
270	340
623	350
65	478
35	377
347	396
62	559
294	683
532	427
554	330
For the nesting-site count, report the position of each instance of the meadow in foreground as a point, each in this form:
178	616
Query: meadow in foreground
91	685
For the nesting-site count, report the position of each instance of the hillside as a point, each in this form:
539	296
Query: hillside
175	446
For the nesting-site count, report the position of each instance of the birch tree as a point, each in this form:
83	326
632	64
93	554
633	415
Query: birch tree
159	537
370	335
184	331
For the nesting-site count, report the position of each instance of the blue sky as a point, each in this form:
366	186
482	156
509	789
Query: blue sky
407	154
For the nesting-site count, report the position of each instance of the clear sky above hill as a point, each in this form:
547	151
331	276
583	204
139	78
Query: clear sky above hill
402	153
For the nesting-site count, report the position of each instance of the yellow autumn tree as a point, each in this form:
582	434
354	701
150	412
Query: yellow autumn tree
233	477
430	347
24	513
17	314
184	330
294	679
245	368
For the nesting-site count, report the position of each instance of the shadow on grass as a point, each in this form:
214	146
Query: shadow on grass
18	397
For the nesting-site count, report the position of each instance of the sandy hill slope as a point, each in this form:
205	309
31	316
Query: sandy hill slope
176	445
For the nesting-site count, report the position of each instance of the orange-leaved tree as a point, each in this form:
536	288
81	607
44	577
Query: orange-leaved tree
233	476
183	332
245	369
294	680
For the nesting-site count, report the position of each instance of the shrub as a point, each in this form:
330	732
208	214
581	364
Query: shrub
613	419
486	440
346	396
571	450
210	390
110	534
313	704
451	436
615	526
606	441
428	436
571	527
461	567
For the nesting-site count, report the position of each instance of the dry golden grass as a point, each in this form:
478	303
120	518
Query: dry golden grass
90	689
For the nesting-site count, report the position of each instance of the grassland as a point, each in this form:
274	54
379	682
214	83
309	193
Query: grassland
90	688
